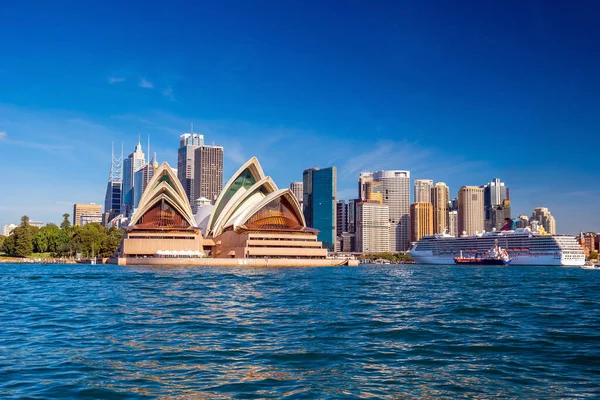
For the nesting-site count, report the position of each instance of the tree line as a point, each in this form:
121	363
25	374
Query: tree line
62	241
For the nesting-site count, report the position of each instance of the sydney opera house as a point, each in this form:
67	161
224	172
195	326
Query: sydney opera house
252	222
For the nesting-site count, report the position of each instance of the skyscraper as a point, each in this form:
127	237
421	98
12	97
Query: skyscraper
372	227
131	164
352	215
453	223
208	172
341	218
363	185
543	216
423	190
470	210
396	195
499	214
439	198
421	220
494	194
296	188
319	186
188	143
112	199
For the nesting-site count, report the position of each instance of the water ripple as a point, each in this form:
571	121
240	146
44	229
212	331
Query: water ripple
385	332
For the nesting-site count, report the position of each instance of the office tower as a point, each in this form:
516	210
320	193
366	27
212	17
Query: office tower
188	143
132	163
543	216
523	221
440	196
296	188
341	219
352	215
396	195
423	190
453	204
494	194
91	209
453	223
319	187
499	214
363	188
470	210
112	199
372	227
421	220
208	172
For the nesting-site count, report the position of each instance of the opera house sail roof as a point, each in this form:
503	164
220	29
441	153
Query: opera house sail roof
164	204
251	201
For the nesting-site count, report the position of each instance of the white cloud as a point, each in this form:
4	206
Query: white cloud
2	135
144	83
115	79
168	93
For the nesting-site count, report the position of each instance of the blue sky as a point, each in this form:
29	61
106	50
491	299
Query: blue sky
459	92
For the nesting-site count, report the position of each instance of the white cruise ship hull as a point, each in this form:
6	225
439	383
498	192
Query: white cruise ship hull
547	260
523	247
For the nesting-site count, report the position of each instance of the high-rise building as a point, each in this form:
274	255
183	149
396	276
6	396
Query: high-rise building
319	187
352	215
88	210
296	188
423	190
372	227
396	195
440	196
363	188
341	219
132	163
499	214
112	199
453	223
494	194
208	172
453	204
421	220
543	216
470	210
188	143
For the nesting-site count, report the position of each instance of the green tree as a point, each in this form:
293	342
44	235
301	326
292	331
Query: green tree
2	243
8	246
23	242
66	223
46	239
593	255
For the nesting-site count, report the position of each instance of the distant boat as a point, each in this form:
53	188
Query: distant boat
590	265
495	256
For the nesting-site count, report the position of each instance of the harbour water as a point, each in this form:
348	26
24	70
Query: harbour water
103	331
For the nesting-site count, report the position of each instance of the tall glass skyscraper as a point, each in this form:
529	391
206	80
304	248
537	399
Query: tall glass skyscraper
132	163
319	192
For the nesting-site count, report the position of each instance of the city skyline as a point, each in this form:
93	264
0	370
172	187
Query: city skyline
401	108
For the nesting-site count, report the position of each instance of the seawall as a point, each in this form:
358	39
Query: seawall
231	262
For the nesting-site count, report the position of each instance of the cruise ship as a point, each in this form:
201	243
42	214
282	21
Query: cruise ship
524	247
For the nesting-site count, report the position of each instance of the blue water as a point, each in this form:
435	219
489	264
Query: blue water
78	331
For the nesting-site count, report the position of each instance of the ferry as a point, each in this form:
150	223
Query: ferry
524	247
495	256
